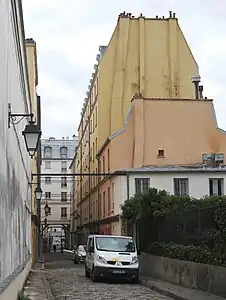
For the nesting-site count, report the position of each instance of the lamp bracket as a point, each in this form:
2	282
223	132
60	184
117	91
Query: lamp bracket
12	118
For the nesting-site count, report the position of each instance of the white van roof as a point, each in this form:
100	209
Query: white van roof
114	236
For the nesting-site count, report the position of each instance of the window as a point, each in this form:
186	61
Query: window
161	153
103	164
109	202
181	186
104	204
63	167
90	243
113	195
142	185
96	117
63	164
64	196
216	186
93	152
47	164
99	207
115	244
47	180
47	152
63	181
63	212
63	152
48	195
108	161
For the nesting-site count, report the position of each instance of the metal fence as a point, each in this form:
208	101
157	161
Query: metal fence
205	227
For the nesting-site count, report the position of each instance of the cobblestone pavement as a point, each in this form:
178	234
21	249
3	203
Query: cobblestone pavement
68	282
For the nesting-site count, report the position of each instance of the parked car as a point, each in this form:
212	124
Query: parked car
80	254
111	256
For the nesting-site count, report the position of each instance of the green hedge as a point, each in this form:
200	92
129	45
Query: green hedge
185	252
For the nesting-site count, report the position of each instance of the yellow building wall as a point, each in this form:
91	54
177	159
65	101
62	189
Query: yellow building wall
148	56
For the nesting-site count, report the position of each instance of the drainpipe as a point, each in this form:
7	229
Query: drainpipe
128	196
127	185
98	190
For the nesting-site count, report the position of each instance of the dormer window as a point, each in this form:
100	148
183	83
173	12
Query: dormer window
63	152
47	152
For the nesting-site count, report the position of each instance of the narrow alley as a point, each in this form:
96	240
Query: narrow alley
67	281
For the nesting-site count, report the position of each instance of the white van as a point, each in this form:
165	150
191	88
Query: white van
111	256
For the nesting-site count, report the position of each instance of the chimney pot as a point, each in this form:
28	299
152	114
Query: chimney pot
196	80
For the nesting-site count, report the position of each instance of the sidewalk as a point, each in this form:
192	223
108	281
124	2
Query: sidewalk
37	287
176	292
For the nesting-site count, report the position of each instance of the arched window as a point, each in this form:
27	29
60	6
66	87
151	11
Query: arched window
63	152
47	152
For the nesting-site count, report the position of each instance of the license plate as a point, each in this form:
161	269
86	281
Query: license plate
119	272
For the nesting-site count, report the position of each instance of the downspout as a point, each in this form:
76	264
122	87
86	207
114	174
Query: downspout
89	189
123	224
98	190
127	185
38	164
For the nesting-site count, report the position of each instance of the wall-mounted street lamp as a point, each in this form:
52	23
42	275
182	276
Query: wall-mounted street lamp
47	209
31	133
38	193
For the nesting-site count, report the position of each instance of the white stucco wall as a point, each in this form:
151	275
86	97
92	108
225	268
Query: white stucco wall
15	169
198	184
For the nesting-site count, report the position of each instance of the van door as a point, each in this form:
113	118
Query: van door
90	253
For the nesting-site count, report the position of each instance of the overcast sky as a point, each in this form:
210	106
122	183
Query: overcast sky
68	34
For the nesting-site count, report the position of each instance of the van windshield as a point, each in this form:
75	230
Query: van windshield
115	244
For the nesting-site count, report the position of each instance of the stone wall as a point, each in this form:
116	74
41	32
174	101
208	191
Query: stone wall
189	274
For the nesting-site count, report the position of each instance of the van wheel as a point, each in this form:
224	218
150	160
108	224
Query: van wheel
94	277
87	274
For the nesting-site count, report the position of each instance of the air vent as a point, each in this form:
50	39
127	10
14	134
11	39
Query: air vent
219	157
206	157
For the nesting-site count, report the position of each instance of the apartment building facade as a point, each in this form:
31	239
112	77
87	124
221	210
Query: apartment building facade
141	109
57	155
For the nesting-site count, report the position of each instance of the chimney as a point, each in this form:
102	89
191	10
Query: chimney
196	80
201	91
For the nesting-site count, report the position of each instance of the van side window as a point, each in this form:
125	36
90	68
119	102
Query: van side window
90	243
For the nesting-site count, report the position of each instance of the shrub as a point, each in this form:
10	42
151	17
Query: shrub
193	253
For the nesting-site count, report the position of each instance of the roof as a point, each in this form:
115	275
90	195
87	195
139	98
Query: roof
112	236
175	168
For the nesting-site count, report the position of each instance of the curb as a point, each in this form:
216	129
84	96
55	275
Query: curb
161	291
48	292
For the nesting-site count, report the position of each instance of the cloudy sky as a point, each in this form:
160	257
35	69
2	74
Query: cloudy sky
68	34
